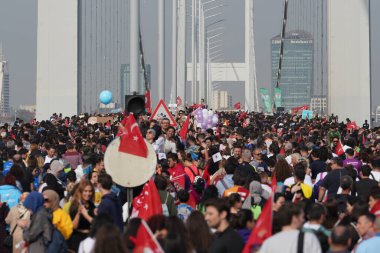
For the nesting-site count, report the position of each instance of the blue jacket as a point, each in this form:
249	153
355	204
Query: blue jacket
10	194
111	206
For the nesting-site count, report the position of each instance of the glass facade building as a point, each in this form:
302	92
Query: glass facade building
4	89
297	73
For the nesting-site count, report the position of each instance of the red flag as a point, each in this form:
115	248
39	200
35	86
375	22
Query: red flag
301	108
185	127
148	106
339	149
132	141
262	229
363	139
148	203
274	184
352	125
179	101
145	241
237	105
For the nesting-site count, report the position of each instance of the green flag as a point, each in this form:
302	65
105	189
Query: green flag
266	100
277	97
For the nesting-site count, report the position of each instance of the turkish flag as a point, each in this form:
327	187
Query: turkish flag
145	241
148	203
148	106
262	229
237	105
339	149
131	141
179	101
185	127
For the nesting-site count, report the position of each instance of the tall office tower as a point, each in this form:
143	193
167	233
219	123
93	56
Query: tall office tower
349	69
102	49
297	78
4	86
57	58
81	45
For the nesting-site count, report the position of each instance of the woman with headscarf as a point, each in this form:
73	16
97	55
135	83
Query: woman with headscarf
17	213
38	232
61	219
256	199
51	179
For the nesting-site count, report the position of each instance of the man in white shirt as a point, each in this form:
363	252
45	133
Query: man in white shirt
50	154
292	218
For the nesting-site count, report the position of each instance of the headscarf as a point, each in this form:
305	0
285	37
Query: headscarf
256	193
34	201
53	198
55	167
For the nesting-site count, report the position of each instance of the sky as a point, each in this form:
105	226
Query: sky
18	36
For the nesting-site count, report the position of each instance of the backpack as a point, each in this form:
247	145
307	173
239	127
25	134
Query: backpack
58	243
199	183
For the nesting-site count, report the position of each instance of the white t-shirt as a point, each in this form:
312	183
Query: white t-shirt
376	175
158	145
87	245
287	241
48	159
170	146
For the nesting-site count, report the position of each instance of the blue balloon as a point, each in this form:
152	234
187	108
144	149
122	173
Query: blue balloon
105	97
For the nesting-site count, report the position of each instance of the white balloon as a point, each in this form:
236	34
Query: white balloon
215	120
204	111
199	125
210	113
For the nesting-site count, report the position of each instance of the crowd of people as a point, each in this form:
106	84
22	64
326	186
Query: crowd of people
56	194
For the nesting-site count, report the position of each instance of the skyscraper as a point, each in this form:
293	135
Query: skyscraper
297	72
81	46
4	86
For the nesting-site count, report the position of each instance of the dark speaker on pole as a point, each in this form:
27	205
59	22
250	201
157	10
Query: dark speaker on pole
135	104
280	109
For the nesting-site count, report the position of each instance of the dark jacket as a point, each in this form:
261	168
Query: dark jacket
53	183
228	241
39	232
111	206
